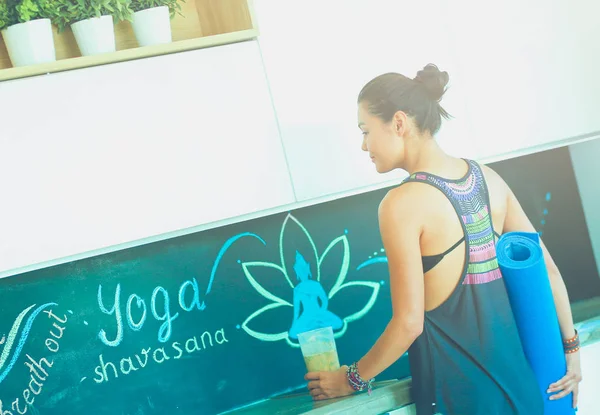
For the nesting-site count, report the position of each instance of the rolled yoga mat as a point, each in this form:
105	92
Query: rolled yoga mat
521	262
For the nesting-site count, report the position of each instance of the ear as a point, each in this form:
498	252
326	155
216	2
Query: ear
400	123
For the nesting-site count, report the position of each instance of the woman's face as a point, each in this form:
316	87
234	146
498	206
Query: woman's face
383	141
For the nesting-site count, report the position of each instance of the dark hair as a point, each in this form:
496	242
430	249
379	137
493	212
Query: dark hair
419	97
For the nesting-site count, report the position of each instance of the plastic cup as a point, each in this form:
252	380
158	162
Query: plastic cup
319	351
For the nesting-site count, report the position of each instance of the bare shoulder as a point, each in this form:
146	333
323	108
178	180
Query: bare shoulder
494	181
401	208
409	198
490	174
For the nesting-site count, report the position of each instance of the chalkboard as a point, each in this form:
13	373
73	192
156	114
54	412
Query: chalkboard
206	322
547	189
197	324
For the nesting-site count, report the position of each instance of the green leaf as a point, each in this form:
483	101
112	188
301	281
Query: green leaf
66	12
63	13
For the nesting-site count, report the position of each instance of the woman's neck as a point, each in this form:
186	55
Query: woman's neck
422	154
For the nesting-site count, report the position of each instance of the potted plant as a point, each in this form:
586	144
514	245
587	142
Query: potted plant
152	20
27	31
92	22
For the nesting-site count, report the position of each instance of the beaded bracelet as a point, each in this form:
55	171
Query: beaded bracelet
572	345
357	383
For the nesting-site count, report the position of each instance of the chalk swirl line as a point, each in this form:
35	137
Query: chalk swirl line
24	335
224	249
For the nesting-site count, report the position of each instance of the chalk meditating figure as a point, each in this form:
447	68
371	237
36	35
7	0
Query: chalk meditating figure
310	302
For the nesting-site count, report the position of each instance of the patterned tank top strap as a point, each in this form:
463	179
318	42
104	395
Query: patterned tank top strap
470	198
422	177
476	214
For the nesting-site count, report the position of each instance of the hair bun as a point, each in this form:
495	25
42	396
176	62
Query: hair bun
434	80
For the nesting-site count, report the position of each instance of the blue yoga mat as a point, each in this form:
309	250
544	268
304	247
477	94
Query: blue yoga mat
521	261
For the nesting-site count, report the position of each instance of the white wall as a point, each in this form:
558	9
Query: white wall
318	55
522	75
585	158
120	153
106	155
529	69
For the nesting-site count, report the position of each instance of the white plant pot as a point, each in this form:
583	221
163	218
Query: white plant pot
30	43
152	26
95	35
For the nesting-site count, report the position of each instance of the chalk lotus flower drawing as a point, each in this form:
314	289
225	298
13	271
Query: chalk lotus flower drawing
303	281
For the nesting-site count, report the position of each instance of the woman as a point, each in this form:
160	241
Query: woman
450	307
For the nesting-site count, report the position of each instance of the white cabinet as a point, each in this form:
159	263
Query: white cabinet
319	54
530	70
106	155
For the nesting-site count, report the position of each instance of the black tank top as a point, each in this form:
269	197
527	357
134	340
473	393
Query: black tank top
469	359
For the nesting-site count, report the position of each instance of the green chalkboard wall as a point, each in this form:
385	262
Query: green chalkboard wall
197	324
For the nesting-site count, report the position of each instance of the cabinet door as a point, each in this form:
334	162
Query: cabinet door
107	155
319	54
531	71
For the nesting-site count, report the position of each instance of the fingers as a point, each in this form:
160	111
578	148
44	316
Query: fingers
317	392
562	394
312	376
556	386
563	388
314	384
566	386
320	397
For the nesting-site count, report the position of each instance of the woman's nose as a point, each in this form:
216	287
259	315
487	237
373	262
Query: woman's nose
364	145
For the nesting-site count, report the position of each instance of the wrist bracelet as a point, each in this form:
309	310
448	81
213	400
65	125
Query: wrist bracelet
572	345
356	382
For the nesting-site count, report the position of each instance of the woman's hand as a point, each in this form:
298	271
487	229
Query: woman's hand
570	382
327	385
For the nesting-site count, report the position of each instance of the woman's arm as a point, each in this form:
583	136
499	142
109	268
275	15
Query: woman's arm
400	227
517	221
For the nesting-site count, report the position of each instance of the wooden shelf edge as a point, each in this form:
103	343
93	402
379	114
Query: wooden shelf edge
128	55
